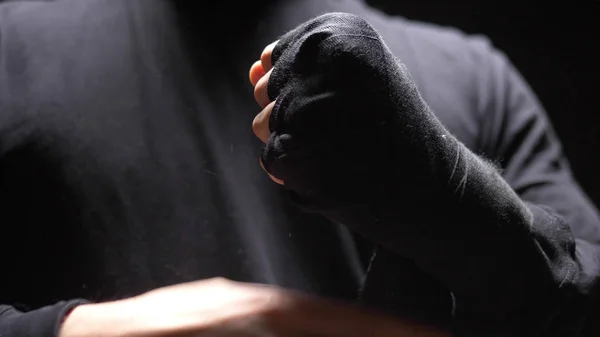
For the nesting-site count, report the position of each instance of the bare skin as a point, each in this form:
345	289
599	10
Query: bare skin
259	78
222	308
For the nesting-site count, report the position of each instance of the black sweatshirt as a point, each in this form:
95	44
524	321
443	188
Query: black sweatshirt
127	163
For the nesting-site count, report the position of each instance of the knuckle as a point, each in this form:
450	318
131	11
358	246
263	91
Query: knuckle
265	57
256	124
257	91
266	54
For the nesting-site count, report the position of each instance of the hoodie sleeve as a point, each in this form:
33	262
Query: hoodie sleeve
516	132
42	322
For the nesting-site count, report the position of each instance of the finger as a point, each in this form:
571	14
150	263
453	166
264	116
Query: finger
260	124
260	90
277	180
256	72
265	57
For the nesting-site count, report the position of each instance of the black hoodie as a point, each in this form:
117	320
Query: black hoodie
127	163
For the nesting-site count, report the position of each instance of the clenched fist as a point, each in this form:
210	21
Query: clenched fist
343	123
347	133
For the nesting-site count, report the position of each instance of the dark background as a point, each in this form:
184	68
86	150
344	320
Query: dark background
557	49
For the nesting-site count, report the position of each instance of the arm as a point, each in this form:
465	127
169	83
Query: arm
377	160
516	134
218	307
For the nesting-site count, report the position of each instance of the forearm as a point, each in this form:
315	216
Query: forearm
510	265
122	318
95	320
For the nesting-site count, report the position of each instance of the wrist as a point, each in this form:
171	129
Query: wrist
107	319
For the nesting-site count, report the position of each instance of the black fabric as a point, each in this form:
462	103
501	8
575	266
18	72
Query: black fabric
44	322
348	111
128	162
